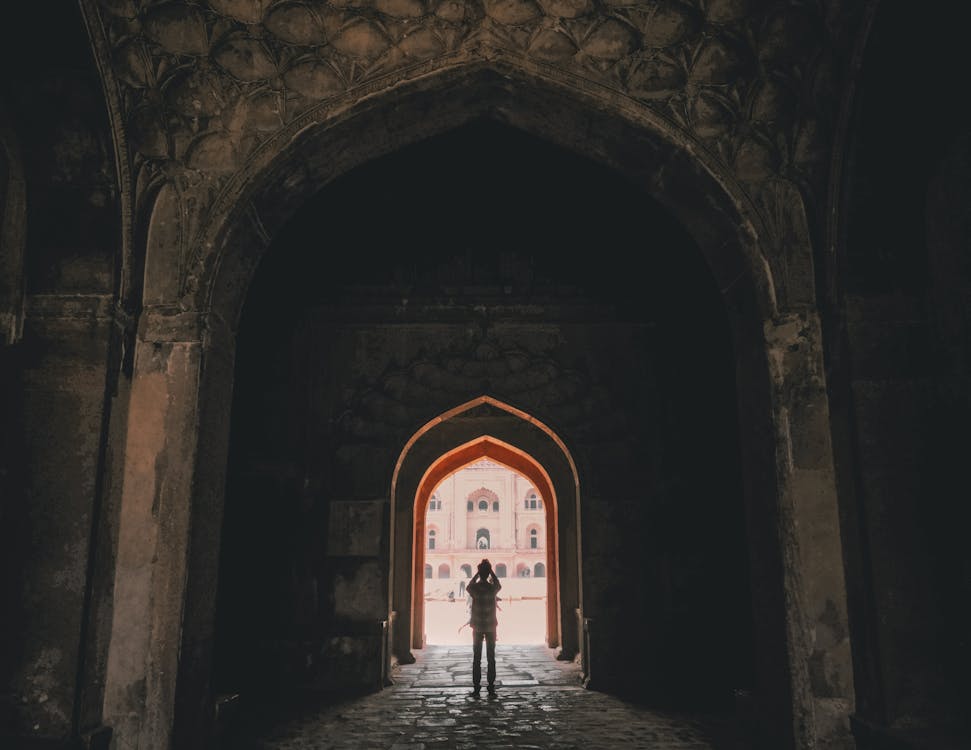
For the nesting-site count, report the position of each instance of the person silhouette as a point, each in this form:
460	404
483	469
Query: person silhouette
483	589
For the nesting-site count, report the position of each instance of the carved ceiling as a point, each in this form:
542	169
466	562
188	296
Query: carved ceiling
754	83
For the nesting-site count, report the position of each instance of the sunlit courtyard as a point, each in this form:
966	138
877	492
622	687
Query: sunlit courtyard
521	621
485	510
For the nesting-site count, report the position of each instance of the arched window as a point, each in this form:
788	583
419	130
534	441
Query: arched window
482	539
539	570
467	571
522	570
434	503
495	506
444	571
532	502
533	539
483	505
431	539
501	570
428	571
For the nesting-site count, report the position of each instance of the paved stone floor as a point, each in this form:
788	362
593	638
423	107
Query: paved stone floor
540	704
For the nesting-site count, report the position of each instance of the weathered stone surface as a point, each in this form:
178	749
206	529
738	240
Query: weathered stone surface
352	44
834	159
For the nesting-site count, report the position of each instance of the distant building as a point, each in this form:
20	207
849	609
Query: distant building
485	510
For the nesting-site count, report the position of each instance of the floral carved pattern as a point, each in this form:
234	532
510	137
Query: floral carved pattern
205	83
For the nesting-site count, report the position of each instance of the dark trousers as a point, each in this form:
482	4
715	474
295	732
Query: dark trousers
490	641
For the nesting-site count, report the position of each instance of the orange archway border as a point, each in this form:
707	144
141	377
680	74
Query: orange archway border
445	416
516	460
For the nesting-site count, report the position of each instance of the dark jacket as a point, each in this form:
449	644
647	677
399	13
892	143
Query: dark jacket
483	593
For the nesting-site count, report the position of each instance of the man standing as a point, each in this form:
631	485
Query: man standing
483	589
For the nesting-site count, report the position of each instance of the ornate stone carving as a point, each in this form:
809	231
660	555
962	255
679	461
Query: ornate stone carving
204	83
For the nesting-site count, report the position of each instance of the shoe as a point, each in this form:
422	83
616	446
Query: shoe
475	692
491	689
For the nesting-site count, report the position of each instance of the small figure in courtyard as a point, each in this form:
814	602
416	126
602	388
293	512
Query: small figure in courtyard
483	589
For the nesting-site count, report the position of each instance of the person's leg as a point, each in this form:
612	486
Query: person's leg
476	659
490	639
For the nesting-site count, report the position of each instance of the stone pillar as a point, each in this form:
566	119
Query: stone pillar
171	478
809	535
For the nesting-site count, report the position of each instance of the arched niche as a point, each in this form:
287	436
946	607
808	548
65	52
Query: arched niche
515	440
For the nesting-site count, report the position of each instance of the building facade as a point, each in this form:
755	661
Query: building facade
484	511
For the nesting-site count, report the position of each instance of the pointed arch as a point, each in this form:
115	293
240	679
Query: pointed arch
522	444
262	196
515	460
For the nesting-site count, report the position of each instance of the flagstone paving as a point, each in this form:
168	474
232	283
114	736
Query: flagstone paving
540	704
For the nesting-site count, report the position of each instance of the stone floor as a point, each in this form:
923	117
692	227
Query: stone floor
540	704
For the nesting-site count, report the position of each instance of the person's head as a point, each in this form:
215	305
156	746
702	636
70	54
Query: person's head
485	568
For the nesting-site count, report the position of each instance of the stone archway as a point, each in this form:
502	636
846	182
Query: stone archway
409	614
182	385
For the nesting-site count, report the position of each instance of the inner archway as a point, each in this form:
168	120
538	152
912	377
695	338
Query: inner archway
482	511
483	508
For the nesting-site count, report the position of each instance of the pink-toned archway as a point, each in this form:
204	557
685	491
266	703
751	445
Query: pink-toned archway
511	458
520	442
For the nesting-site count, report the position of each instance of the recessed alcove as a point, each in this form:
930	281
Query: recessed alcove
484	262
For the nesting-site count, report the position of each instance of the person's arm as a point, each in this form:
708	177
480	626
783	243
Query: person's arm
495	578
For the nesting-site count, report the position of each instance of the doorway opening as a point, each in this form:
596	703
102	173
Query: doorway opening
338	364
480	473
485	511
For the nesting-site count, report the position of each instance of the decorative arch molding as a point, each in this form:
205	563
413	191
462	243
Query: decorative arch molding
484	493
208	94
612	129
467	408
117	97
518	442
